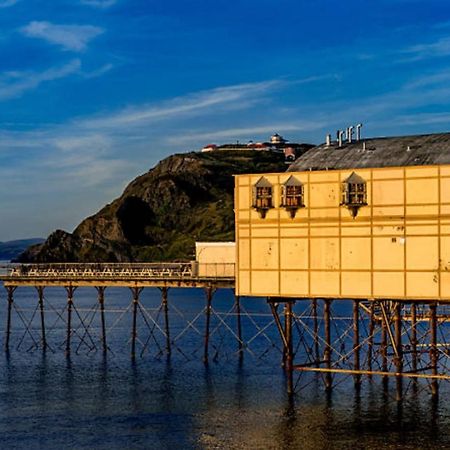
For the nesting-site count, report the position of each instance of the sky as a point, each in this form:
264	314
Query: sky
95	92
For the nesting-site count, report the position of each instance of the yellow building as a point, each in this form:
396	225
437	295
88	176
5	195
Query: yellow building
359	220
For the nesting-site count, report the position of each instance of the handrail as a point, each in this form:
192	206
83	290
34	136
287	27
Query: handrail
191	269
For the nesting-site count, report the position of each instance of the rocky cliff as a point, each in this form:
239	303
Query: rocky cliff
185	198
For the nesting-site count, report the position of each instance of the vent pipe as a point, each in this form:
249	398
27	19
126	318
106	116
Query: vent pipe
350	134
340	135
328	140
358	131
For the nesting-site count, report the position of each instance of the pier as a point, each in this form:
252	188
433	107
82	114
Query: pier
407	341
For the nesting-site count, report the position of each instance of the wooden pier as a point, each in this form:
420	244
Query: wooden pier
404	340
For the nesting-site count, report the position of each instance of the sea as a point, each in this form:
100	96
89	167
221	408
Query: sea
95	401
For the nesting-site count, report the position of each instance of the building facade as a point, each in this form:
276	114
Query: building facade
374	224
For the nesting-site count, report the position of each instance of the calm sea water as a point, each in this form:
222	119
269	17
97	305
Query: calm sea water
88	401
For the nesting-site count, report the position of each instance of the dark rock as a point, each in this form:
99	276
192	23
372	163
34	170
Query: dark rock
185	198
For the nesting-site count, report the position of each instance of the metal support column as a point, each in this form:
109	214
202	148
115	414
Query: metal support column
315	331
399	348
101	302
289	367
136	291
165	304
356	345
433	349
209	294
384	347
414	338
237	303
40	290
70	291
327	353
370	339
10	290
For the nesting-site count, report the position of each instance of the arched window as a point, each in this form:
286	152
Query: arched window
262	196
354	193
292	195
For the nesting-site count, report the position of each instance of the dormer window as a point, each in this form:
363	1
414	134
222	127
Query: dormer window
292	195
262	196
354	193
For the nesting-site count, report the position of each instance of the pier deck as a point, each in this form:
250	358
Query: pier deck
119	275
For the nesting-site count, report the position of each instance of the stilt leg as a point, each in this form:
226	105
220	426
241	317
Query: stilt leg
164	292
433	349
384	360
10	290
315	331
370	339
70	291
289	348
101	302
327	353
209	294
356	348
237	303
414	341
399	348
136	291
40	290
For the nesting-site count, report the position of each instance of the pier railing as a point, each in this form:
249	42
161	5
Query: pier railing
138	271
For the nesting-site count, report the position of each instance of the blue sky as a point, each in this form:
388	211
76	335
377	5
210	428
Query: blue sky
95	92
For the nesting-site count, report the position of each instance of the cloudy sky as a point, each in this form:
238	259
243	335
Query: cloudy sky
95	92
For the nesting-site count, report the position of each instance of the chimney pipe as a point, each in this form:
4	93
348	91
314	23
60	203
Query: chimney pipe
358	131
350	134
328	140
340	134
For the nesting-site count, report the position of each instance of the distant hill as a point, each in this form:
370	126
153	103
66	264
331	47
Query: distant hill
12	249
184	198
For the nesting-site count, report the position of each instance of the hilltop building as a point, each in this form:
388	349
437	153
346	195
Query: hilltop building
276	144
352	218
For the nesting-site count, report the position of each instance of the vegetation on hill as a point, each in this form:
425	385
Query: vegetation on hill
185	198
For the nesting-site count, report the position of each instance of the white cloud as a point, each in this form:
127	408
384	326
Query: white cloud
98	72
236	96
247	133
438	48
69	37
14	84
99	3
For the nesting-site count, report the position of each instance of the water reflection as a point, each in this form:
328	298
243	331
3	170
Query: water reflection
107	401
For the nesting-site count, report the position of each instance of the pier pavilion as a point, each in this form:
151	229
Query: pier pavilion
366	222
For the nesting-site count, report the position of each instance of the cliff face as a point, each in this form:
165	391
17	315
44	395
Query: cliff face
185	198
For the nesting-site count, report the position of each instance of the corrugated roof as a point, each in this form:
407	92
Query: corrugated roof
419	150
